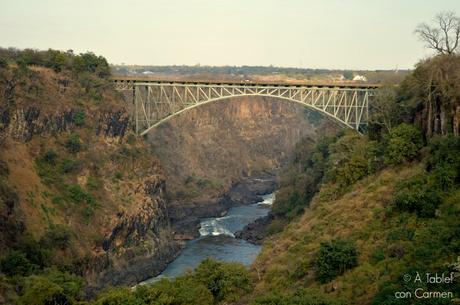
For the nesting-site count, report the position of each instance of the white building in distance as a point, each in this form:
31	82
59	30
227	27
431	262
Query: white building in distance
360	78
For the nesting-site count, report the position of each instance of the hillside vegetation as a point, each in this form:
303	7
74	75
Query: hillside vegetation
78	192
356	216
352	245
356	245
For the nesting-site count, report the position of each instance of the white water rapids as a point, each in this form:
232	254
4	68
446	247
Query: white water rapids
217	240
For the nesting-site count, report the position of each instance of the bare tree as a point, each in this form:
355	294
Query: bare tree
444	36
383	110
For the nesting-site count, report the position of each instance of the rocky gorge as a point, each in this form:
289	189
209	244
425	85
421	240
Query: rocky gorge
228	153
185	219
127	204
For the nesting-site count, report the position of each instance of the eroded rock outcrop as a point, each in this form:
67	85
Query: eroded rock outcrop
70	164
140	245
24	123
256	231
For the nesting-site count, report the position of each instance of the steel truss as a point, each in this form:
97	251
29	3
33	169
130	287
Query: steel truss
157	102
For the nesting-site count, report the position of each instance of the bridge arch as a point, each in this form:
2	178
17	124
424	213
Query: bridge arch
167	118
156	102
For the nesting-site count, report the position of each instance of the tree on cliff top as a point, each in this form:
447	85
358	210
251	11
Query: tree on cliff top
444	36
430	95
57	60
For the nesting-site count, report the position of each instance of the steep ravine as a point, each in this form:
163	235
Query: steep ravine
214	154
127	204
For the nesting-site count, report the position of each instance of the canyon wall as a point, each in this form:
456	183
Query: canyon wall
74	173
207	151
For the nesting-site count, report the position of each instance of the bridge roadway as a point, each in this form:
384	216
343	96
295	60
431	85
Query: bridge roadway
156	101
143	79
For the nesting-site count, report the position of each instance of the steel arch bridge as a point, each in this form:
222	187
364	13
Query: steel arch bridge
157	101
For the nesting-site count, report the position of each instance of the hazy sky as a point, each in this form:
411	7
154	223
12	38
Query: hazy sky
355	34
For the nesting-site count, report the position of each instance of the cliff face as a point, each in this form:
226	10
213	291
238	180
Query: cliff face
140	244
208	149
69	160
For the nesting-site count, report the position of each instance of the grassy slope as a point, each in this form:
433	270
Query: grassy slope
287	260
108	168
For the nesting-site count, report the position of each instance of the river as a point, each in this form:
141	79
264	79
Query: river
217	240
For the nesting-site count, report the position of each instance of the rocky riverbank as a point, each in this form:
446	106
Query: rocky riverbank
256	231
185	217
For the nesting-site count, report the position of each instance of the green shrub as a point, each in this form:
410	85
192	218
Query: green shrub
39	290
401	233
403	144
444	161
69	165
78	195
291	206
300	297
3	63
73	143
301	270
55	60
445	176
351	171
417	195
23	66
377	256
181	291
50	156
97	66
351	158
386	296
71	284
16	263
334	258
89	62
57	236
34	251
79	118
119	296
57	200
226	281
47	169
347	74
8	290
299	184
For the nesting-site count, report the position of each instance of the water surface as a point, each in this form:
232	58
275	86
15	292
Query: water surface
217	240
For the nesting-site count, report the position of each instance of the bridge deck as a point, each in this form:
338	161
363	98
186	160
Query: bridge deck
136	79
156	100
